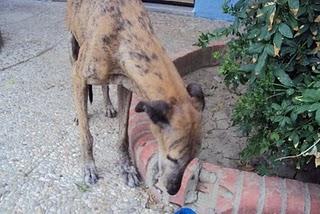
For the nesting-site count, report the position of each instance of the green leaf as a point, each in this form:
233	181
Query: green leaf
247	67
284	121
265	34
294	137
294	6
290	91
293	116
256	48
314	107
263	170
277	42
301	109
263	147
271	13
269	49
283	77
285	30
317	117
293	22
253	33
261	63
280	142
275	106
310	95
274	136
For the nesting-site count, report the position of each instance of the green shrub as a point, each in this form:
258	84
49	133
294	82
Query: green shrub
275	52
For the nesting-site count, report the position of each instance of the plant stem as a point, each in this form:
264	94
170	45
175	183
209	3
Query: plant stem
275	95
302	153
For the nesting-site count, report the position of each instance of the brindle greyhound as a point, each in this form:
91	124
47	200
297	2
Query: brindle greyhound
113	42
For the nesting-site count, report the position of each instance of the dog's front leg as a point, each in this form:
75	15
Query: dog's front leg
128	169
81	99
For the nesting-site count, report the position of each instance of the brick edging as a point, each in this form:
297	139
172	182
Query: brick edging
213	189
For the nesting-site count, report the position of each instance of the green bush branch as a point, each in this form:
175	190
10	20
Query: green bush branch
275	52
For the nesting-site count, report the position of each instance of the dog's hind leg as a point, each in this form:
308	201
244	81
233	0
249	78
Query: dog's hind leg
81	99
110	110
128	170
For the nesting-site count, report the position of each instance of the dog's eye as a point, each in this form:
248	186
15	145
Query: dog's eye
172	159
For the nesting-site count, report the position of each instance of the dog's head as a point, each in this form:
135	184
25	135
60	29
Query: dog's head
177	128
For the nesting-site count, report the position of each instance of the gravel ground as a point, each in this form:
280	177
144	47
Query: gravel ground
40	165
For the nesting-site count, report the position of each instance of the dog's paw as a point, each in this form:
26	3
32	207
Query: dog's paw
90	174
130	174
110	111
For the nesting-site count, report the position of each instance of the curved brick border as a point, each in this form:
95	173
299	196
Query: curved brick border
210	188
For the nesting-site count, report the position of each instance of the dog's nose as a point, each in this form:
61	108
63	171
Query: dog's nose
173	189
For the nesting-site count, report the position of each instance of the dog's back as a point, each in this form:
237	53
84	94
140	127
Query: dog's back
118	34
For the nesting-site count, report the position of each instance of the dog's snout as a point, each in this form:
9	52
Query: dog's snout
174	184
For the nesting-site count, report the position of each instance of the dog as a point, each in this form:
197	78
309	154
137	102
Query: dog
113	42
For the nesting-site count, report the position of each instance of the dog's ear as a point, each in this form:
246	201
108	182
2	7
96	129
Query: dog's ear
196	93
158	111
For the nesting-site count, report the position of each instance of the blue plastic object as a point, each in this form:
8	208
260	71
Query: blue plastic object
212	9
185	210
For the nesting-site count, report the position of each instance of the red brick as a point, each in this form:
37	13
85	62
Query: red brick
179	198
139	133
205	187
142	160
227	190
250	193
315	198
205	210
210	167
136	117
133	118
273	199
142	141
140	127
139	121
295	196
135	148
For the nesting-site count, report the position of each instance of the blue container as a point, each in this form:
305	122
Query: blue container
185	210
212	9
